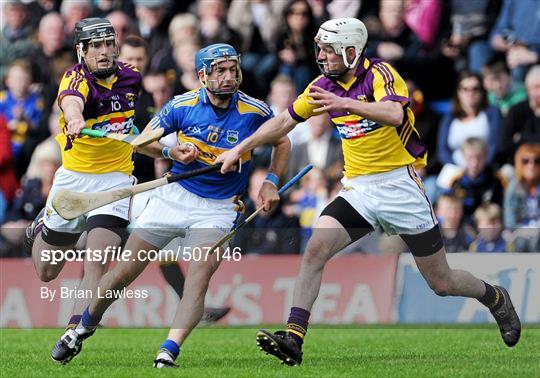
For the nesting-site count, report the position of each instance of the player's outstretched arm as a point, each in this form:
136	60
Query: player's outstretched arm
269	132
268	195
73	106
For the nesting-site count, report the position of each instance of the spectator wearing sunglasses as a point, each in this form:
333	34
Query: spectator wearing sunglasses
470	117
522	198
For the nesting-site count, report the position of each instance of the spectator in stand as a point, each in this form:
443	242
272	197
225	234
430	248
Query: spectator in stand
490	238
320	11
49	63
121	23
501	91
184	58
151	26
282	94
397	44
134	51
22	107
37	9
322	150
16	36
51	41
183	26
307	202
479	183
8	180
471	116
522	199
471	23
213	26
426	122
522	124
31	198
271	232
182	29
72	12
517	34
294	48
257	22
423	18
457	235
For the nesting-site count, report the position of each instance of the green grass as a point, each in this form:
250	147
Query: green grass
383	351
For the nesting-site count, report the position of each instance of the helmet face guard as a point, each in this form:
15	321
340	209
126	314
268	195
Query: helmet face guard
93	31
340	34
209	57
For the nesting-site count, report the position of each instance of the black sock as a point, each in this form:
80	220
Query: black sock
493	298
174	277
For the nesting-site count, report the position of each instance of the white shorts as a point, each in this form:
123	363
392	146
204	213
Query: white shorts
173	211
393	201
86	182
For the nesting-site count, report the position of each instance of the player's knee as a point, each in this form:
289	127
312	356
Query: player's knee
441	286
95	271
47	274
316	252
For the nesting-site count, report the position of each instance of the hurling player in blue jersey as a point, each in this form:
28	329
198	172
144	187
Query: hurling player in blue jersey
208	121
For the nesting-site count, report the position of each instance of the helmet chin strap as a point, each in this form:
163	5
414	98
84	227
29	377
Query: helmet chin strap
105	73
222	95
98	73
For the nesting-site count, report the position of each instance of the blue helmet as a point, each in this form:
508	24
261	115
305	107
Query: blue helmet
213	54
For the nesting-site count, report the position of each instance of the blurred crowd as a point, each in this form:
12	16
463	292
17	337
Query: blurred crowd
471	66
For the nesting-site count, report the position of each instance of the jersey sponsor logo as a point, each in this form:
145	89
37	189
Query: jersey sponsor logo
194	130
120	125
232	136
357	129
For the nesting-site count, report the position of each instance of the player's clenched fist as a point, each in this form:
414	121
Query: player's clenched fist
75	126
268	196
229	159
184	153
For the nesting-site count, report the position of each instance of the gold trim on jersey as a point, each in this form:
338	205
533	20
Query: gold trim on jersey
107	85
208	154
244	107
106	117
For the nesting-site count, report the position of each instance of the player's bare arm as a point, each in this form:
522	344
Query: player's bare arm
386	112
268	195
184	153
73	106
270	131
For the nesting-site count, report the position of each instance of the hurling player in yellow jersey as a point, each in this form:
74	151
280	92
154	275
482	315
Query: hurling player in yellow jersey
98	93
367	101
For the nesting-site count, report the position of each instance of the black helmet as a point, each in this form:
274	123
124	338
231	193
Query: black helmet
95	29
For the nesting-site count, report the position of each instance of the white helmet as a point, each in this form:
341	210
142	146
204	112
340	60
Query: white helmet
341	33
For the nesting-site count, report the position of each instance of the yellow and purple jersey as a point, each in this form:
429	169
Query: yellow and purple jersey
368	146
194	119
107	107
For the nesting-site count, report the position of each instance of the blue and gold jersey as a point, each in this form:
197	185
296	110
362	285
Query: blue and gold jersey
193	117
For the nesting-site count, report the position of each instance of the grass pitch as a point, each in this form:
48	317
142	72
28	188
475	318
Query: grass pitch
385	351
